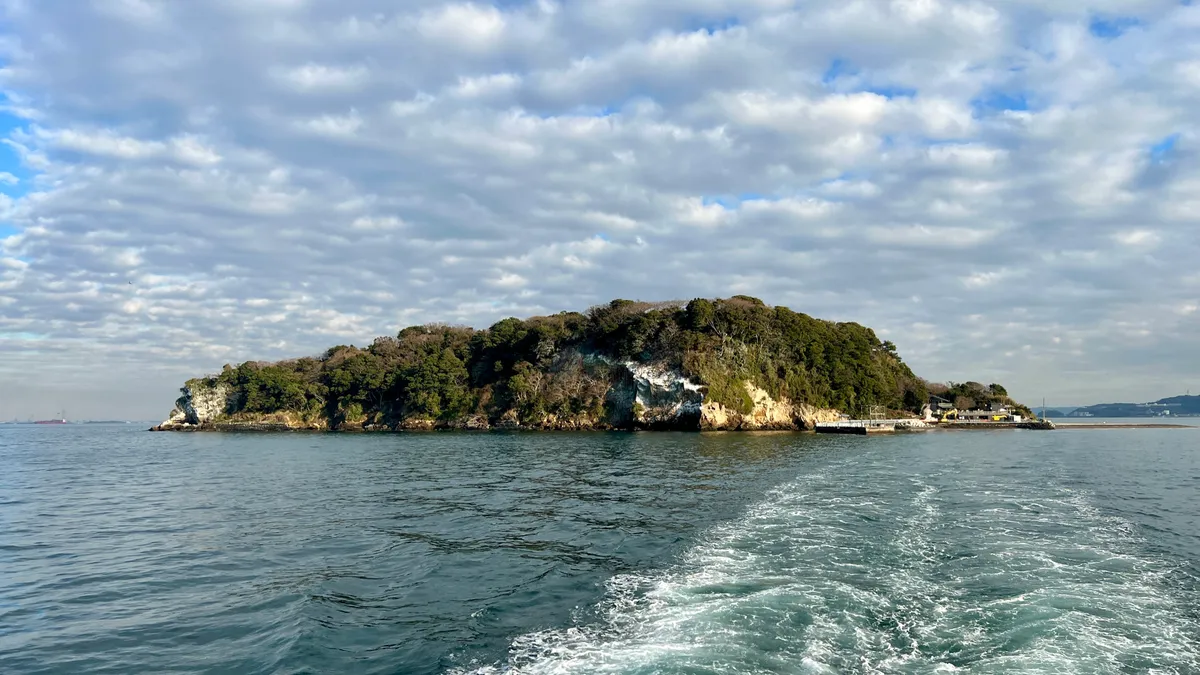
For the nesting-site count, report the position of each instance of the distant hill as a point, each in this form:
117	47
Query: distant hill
1164	407
1056	412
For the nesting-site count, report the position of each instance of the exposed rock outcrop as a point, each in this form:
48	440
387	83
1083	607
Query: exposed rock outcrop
766	414
199	404
663	398
209	406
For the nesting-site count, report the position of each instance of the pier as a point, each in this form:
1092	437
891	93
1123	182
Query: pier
1045	425
868	427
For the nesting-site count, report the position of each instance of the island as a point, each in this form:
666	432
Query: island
724	364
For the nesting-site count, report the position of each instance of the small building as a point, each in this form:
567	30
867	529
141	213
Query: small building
1001	414
939	403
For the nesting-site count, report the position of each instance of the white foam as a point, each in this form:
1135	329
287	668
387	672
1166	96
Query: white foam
826	576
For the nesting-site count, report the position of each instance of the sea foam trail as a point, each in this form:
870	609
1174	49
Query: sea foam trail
838	572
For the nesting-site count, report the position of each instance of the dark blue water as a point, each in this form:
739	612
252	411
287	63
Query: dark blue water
123	551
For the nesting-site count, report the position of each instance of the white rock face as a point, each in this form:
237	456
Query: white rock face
664	396
199	403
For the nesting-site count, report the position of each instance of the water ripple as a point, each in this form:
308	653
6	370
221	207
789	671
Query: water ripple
127	552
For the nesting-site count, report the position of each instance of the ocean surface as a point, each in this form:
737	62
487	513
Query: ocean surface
123	551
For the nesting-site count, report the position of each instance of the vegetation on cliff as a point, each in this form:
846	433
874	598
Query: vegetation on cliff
569	365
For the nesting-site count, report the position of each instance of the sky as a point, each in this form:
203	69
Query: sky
1008	190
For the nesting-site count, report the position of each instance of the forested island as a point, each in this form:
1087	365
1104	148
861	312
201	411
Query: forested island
734	363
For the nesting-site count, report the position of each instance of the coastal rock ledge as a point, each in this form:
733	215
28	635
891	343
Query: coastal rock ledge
639	397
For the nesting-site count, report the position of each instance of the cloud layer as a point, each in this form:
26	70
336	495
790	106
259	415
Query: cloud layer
1009	191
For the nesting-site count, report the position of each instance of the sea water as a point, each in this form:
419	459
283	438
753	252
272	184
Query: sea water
1069	551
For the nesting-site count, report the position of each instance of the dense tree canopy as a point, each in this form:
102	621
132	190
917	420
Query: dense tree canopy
563	365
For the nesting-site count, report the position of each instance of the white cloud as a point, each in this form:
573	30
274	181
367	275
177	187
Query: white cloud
966	155
315	77
1137	238
282	175
377	223
463	24
333	125
486	85
128	258
186	148
848	111
510	280
978	280
103	143
193	151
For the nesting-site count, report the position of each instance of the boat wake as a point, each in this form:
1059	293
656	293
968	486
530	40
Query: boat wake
836	574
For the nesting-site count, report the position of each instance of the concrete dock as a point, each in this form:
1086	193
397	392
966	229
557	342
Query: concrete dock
866	427
856	427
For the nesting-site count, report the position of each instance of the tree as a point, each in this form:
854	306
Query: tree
436	386
700	314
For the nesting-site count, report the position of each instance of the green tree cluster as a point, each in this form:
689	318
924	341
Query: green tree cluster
565	365
977	396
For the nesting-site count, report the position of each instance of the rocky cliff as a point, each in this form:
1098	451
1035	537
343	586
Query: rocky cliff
207	405
766	414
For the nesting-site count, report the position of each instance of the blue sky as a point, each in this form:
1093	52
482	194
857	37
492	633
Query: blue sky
1163	149
1108	27
1005	190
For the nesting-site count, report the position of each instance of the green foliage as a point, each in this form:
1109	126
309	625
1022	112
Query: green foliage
264	388
724	376
973	395
561	365
436	385
700	314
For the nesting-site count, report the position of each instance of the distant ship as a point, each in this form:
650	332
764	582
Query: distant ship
62	419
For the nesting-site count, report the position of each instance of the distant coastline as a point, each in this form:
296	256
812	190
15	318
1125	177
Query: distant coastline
1122	425
1173	406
